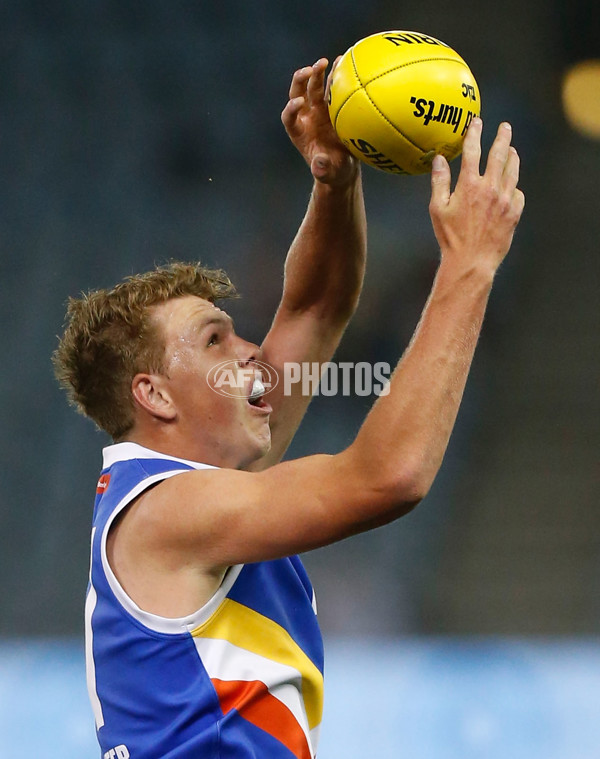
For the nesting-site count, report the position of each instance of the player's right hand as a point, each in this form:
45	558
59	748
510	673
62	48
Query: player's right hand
476	222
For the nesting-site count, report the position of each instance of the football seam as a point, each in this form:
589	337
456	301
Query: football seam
387	71
403	65
360	86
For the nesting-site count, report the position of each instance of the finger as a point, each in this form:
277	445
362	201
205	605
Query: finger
314	88
471	152
335	63
440	182
498	154
299	82
330	77
518	204
290	113
510	176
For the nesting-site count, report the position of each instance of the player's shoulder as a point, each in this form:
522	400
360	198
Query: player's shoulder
173	502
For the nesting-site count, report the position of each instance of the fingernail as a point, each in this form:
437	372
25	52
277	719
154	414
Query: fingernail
506	125
437	163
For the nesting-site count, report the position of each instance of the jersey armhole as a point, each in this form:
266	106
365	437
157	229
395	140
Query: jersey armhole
153	622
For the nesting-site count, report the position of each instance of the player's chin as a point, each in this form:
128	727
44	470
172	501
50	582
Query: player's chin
264	437
260	447
264	434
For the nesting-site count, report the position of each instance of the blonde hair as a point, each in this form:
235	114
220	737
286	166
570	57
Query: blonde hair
109	338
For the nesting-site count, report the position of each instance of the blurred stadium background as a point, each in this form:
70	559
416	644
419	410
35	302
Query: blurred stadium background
133	133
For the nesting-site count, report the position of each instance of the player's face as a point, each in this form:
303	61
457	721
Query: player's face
220	413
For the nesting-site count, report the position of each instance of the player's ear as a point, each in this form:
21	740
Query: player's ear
150	393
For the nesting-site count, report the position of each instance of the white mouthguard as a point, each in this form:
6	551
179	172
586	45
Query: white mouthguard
258	389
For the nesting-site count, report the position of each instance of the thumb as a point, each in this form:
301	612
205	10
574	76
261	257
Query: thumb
440	181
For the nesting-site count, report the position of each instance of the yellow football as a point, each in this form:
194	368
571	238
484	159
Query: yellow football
397	98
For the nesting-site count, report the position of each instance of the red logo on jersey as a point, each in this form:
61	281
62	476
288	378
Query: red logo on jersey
102	484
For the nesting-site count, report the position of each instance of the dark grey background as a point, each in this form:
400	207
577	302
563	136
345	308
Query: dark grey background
133	133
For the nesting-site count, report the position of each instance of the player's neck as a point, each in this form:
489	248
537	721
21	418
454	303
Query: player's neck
171	442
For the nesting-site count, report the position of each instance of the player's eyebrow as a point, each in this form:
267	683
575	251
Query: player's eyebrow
220	318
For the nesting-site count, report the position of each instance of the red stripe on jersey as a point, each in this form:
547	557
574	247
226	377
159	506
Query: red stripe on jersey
255	704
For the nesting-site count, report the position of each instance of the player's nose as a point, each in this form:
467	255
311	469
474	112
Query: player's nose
247	352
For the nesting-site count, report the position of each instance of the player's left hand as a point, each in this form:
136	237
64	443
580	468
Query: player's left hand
306	120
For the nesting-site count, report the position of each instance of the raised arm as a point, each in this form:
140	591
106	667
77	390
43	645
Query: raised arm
232	516
325	265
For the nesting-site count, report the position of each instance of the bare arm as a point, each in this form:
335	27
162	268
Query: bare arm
474	227
325	265
224	517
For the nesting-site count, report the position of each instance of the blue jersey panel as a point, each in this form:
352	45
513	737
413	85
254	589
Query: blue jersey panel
290	603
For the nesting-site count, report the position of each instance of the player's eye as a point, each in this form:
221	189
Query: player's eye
214	339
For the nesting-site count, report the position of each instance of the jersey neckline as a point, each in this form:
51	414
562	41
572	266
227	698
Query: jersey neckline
127	451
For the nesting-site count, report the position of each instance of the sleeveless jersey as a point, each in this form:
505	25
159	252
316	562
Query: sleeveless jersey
241	678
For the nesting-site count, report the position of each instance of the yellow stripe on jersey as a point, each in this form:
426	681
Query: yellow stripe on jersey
249	630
